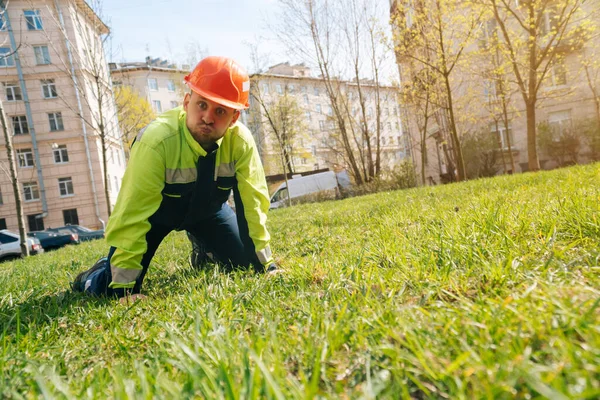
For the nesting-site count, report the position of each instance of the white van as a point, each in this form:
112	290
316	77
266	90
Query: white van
324	183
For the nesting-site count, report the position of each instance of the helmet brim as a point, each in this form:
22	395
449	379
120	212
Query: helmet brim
216	98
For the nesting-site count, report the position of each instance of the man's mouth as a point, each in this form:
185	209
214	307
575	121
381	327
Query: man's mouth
205	129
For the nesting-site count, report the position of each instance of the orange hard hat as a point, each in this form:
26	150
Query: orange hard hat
221	80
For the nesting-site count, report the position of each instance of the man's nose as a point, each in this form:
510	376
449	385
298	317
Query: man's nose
207	117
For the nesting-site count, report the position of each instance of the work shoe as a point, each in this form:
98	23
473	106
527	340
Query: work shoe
199	256
94	279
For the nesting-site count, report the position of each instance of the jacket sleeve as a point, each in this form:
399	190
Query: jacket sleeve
139	198
254	195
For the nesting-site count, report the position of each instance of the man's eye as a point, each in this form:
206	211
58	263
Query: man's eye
202	105
220	111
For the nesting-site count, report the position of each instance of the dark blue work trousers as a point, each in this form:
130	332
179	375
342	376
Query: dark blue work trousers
218	235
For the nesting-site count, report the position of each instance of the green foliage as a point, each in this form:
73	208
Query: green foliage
133	110
480	151
590	129
560	144
484	289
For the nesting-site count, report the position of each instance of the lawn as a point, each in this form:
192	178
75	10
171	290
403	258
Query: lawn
484	289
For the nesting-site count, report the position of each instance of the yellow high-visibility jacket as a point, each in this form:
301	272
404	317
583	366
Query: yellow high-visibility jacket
161	176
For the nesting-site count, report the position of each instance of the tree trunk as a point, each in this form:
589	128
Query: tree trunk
532	155
500	144
460	163
15	182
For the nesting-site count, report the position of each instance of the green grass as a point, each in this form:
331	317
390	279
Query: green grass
485	289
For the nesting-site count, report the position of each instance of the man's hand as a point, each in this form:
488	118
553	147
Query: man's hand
273	269
131	299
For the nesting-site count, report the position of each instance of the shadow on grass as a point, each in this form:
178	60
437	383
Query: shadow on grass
41	309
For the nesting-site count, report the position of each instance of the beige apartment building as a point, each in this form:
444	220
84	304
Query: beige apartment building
47	81
155	80
316	146
564	100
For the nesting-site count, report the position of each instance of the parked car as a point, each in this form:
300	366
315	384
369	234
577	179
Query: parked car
55	240
323	184
83	232
10	245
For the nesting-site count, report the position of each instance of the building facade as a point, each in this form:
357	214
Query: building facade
155	80
57	96
316	143
565	100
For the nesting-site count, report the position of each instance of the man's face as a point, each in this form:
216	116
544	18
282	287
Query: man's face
206	120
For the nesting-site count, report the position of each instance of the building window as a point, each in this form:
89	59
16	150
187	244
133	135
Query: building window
307	115
36	222
313	149
61	155
2	223
152	84
265	88
20	126
316	91
30	191
49	89
170	85
383	140
558	73
174	104
13	91
56	122
25	158
398	140
157	106
116	183
329	110
350	95
305	98
70	217
318	108
279	89
108	183
502	135
2	22
322	125
560	122
65	187
389	126
42	55
33	19
6	58
291	88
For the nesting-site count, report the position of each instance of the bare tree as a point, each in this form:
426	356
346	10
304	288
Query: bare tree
15	181
87	69
535	34
435	34
10	154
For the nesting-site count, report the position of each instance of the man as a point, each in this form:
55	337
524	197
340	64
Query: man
179	177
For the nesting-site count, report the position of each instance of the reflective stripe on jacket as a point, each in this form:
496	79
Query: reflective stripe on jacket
162	165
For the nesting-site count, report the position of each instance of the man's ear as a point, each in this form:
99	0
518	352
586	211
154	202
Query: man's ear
236	115
186	101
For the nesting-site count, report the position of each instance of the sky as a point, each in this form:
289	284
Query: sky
167	28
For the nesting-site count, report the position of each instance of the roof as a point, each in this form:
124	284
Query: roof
91	14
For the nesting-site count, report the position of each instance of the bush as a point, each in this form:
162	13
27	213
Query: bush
561	145
590	130
480	153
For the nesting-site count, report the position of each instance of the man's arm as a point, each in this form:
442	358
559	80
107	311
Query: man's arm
254	195
139	198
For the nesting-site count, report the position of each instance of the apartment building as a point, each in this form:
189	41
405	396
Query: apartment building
317	145
156	80
51	57
564	98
